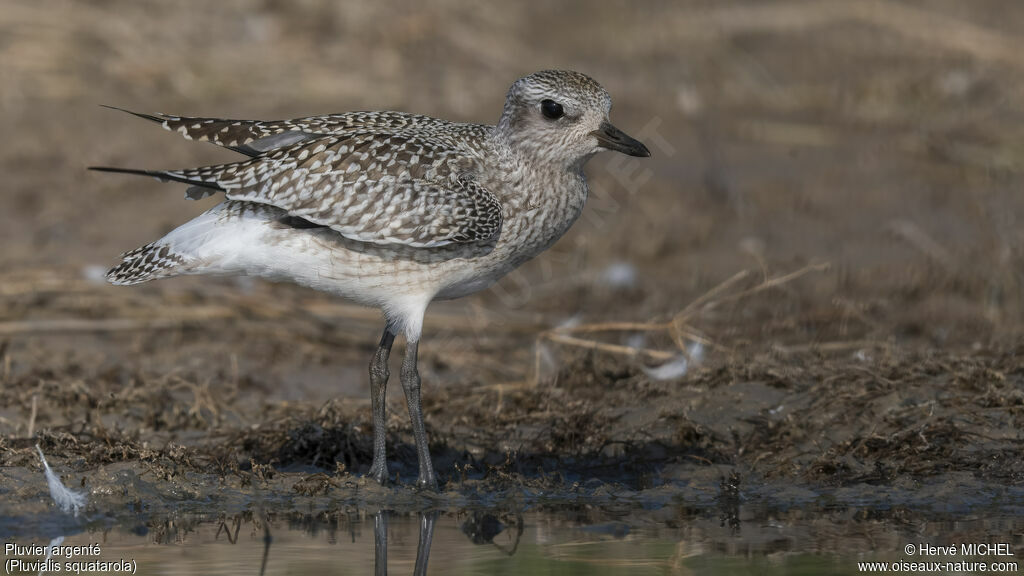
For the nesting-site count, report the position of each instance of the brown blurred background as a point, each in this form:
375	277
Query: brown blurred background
882	137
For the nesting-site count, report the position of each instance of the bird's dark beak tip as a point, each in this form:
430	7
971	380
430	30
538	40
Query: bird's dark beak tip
612	138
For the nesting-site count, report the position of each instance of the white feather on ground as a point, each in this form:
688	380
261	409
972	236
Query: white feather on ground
65	499
678	366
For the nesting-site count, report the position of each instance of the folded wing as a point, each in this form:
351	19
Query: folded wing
388	188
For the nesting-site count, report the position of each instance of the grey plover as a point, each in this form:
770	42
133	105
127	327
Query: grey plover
388	209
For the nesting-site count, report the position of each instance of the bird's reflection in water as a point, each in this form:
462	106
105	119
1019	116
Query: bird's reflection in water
481	527
380	542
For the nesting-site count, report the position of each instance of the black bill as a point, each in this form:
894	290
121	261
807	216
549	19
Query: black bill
612	138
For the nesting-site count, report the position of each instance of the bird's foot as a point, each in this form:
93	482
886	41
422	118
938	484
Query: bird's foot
426	482
379	472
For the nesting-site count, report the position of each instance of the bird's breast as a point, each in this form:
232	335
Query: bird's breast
536	212
541	212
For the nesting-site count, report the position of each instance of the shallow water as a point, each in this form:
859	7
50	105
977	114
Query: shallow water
584	539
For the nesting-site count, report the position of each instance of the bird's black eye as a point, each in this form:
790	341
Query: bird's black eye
551	109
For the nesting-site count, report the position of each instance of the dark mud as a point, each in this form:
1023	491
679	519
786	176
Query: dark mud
879	427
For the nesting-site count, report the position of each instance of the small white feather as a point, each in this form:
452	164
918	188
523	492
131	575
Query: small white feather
65	499
678	366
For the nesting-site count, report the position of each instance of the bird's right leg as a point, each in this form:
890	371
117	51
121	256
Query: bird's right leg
427	521
380	543
378	396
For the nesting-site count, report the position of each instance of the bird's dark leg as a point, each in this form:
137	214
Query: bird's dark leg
427	521
378	395
411	384
380	543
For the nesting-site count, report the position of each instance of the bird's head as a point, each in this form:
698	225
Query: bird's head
561	117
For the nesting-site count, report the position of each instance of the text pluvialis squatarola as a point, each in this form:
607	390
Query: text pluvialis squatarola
389	209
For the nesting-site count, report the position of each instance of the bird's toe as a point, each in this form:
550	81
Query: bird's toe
378	472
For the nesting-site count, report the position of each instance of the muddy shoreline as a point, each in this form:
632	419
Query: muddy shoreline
929	432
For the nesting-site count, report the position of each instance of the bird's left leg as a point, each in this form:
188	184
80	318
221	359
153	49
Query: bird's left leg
378	396
411	384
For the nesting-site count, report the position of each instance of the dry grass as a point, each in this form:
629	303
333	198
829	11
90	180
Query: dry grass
679	328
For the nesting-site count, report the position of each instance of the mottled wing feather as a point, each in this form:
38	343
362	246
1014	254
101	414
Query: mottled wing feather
221	131
253	137
372	186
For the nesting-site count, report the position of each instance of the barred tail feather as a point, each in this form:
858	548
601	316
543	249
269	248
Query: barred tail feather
218	241
149	262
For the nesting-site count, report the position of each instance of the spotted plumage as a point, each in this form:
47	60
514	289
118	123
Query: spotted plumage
383	186
388	209
154	260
